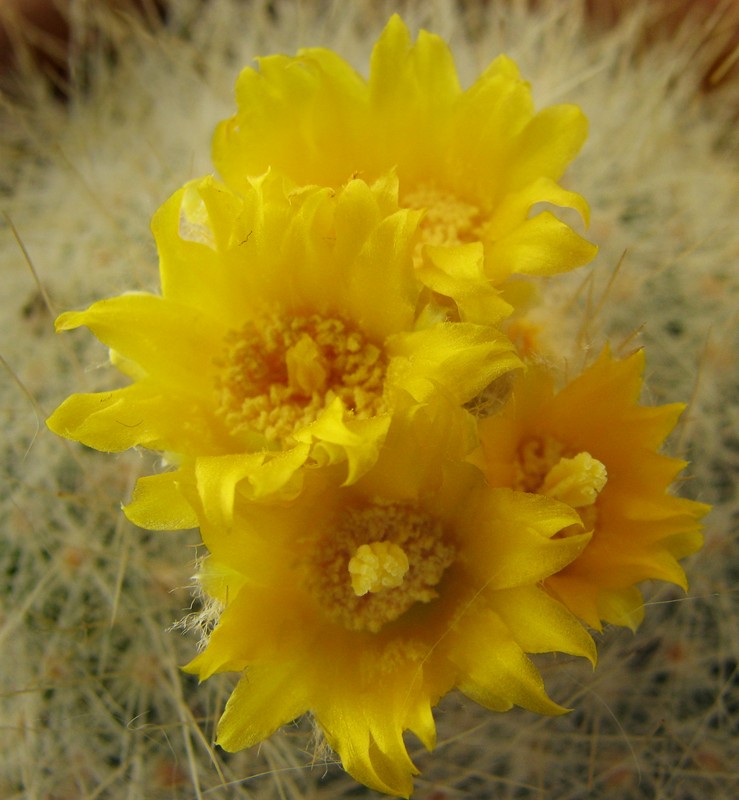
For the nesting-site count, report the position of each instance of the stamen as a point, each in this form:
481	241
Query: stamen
278	374
377	563
447	221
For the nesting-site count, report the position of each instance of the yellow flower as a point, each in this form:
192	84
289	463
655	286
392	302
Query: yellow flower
364	605
592	445
476	161
287	330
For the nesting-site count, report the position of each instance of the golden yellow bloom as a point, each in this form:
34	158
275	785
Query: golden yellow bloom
289	326
364	605
476	161
592	446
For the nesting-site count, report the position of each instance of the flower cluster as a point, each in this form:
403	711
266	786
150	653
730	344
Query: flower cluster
396	500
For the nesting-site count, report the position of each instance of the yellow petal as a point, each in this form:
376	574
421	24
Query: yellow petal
140	414
369	739
298	110
265	698
265	623
421	440
621	607
488	117
205	666
374	284
412	88
158	503
495	671
458	273
336	437
507	538
514	207
542	245
547	145
540	624
193	229
458	358
637	560
174	342
578	594
256	476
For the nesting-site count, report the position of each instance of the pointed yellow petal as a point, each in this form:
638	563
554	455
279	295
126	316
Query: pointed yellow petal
412	89
458	358
158	503
195	229
542	245
375	284
140	414
263	621
621	607
507	538
540	624
369	740
336	437
514	207
488	117
420	719
547	145
421	440
205	665
256	476
265	698
458	273
495	671
578	594
298	110
174	342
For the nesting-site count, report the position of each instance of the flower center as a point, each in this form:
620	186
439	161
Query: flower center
277	374
544	467
378	562
447	221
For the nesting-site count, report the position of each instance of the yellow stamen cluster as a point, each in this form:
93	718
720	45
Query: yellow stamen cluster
277	374
379	561
447	220
576	481
377	566
543	467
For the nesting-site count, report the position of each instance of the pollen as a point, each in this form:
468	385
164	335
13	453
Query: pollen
378	562
277	374
447	221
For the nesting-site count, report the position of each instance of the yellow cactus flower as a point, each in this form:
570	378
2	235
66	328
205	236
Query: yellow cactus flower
476	161
592	446
288	326
364	605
